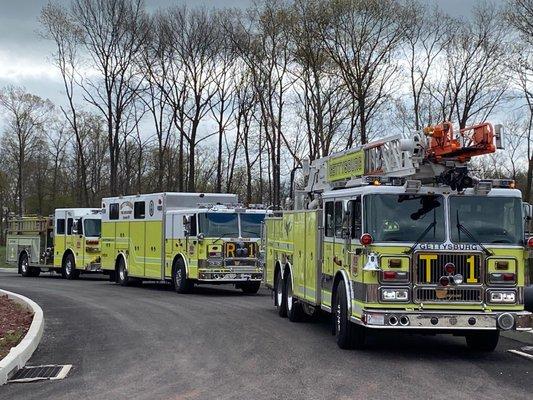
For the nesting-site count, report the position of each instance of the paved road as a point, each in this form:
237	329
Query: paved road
150	343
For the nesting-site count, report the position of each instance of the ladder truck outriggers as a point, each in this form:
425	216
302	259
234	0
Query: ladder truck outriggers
183	238
396	234
67	242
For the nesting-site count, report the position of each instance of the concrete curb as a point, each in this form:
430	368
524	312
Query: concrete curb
20	354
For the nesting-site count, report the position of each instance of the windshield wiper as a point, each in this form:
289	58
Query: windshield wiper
461	227
432	225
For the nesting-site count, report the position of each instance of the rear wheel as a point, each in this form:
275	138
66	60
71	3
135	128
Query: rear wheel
347	334
122	273
24	265
483	341
250	287
280	300
294	308
69	268
179	278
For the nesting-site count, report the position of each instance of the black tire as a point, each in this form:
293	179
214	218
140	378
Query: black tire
182	285
295	312
24	265
250	287
347	334
280	297
484	341
35	271
69	270
122	273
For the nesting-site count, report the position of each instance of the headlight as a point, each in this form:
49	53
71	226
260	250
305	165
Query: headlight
501	296
394	294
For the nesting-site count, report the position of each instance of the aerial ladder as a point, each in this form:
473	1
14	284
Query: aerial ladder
437	155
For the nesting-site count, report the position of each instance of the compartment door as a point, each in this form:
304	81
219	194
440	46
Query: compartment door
311	256
136	259
153	265
298	266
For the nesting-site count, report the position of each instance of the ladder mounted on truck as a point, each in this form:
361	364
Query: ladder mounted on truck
437	155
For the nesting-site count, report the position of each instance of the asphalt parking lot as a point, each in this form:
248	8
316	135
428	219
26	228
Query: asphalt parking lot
151	343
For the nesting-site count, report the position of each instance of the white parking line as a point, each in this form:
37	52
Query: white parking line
522	354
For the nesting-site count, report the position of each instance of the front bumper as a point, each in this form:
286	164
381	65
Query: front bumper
230	276
445	320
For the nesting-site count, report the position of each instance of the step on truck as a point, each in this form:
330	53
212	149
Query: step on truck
397	235
182	238
67	242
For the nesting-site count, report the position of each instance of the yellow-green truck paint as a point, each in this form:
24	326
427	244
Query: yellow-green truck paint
67	242
309	252
151	236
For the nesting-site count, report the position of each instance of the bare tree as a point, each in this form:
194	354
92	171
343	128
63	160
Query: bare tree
23	138
112	33
475	78
362	38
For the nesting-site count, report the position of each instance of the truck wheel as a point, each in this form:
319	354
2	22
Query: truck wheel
122	273
280	300
35	271
24	265
485	341
348	335
69	268
179	278
250	287
295	311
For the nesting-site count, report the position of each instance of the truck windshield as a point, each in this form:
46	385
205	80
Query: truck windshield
488	219
251	224
218	224
92	227
404	217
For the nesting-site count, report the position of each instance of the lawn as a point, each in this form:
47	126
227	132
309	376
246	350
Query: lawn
3	263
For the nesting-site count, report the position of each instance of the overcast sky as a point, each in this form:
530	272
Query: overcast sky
24	56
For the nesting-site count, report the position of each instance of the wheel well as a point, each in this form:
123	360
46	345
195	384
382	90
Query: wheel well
177	258
117	261
336	281
65	254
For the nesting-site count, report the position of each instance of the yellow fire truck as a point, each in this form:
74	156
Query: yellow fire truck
68	242
397	235
184	238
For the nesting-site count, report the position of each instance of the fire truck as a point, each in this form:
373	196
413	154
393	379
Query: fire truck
398	235
182	238
67	242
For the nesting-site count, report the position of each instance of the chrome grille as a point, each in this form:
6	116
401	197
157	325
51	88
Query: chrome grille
449	294
433	273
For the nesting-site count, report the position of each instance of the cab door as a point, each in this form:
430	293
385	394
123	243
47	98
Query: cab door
329	252
352	258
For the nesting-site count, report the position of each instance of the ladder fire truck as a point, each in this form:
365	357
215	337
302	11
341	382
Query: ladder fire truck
397	234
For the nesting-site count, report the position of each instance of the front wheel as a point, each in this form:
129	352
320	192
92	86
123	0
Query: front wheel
347	334
179	278
250	287
485	341
69	268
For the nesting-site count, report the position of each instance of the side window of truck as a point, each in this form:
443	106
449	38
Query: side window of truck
70	222
139	210
60	227
113	211
355	211
339	216
329	215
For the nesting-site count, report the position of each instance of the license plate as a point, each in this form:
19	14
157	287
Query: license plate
376	319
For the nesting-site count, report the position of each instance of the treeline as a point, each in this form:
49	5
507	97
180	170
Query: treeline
191	99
